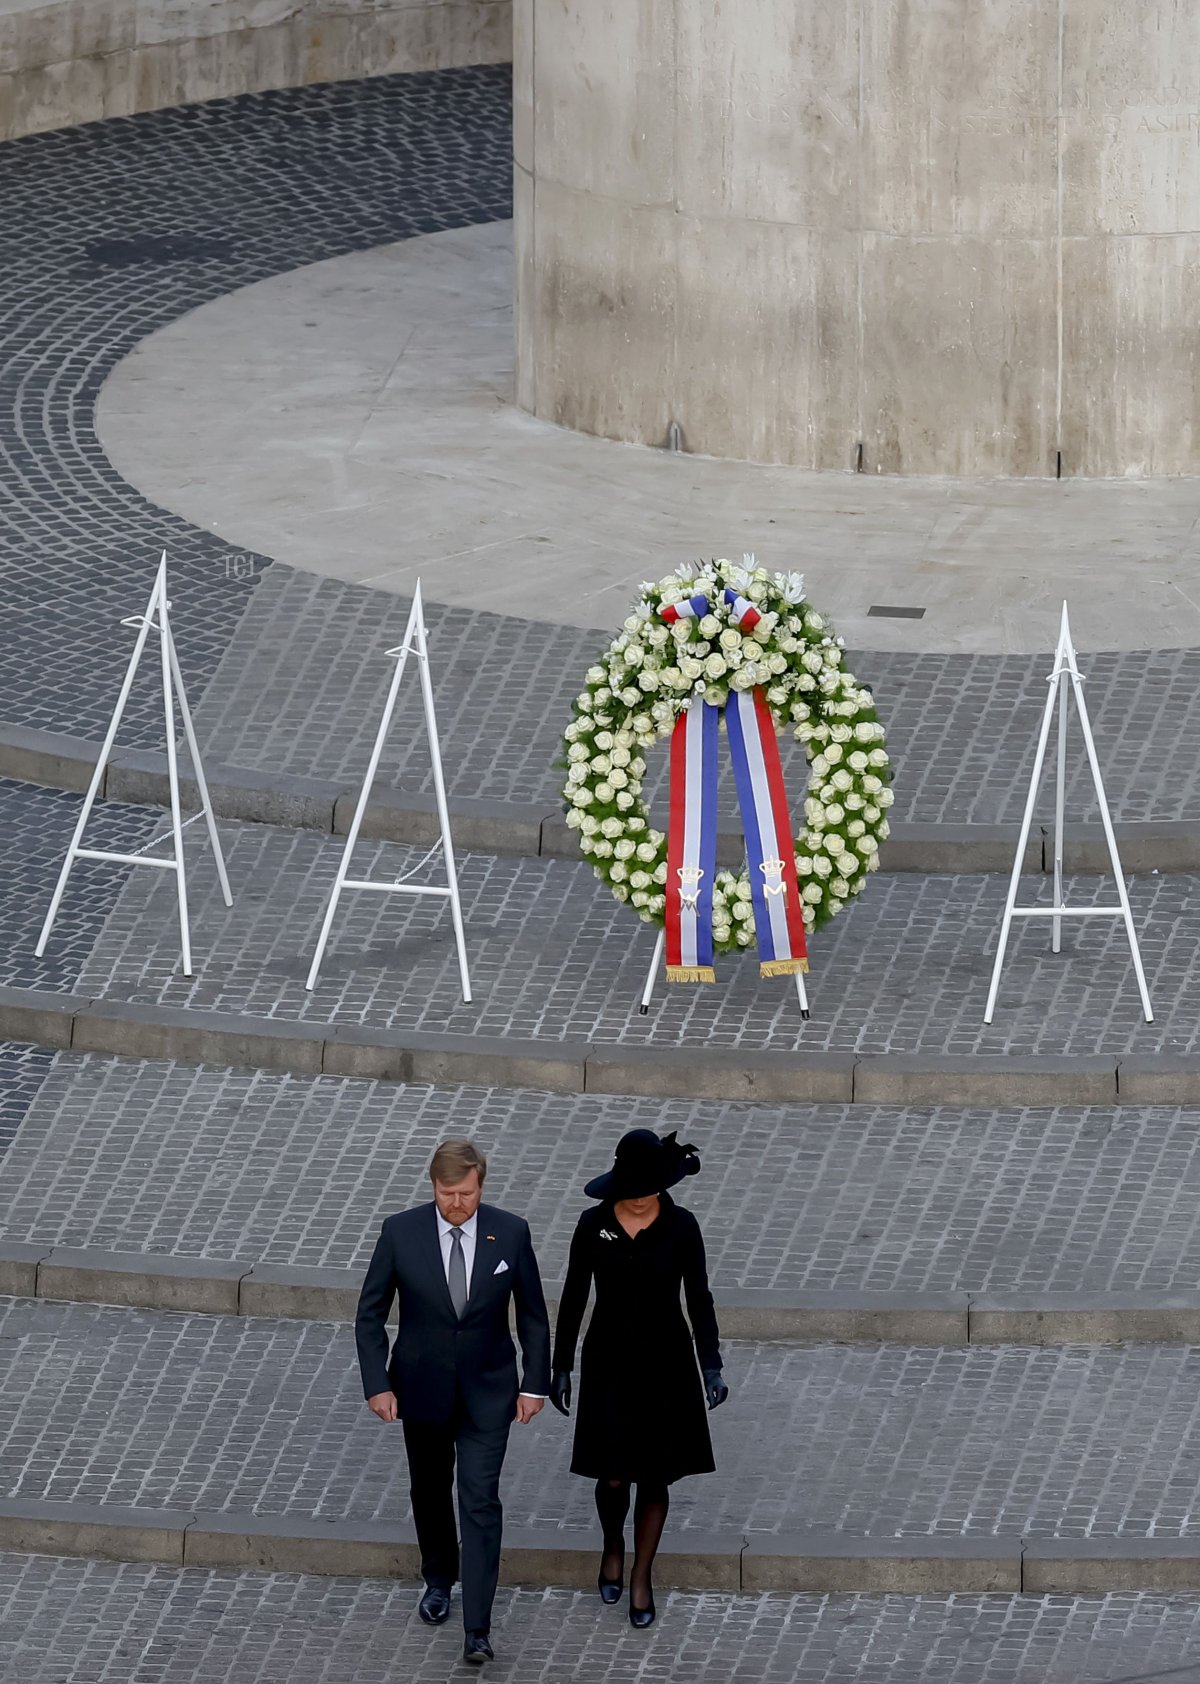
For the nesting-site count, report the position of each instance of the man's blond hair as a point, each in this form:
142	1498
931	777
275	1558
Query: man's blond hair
454	1160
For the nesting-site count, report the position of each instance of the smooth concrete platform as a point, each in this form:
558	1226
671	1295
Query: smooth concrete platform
354	418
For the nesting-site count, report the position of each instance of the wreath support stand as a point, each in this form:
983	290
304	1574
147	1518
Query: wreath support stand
416	645
1065	669
656	961
157	620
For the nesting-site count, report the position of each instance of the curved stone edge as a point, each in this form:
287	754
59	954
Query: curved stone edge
59	761
67	62
795	1562
305	1048
252	1287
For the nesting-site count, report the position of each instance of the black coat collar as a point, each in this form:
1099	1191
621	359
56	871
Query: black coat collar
610	1220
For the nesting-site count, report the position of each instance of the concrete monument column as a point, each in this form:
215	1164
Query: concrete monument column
912	236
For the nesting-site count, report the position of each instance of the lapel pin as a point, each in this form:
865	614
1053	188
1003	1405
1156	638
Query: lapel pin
491	1236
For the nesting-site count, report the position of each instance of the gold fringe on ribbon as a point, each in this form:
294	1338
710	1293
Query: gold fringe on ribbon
783	967
691	973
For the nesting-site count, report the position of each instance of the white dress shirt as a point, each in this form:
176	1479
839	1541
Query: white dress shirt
468	1230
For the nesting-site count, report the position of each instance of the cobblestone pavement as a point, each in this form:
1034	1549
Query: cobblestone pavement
553	955
175	1411
211	1163
112	230
75	1622
22	1071
37	827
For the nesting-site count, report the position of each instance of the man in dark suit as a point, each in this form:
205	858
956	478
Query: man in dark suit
452	1376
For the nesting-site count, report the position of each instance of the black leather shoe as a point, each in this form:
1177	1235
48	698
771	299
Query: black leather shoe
477	1649
640	1618
434	1606
610	1589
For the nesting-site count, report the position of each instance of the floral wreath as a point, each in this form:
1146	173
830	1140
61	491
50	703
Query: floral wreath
645	679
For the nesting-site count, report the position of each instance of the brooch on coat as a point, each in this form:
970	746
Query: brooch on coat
605	1235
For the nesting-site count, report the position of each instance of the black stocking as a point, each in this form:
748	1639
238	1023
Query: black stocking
649	1518
612	1505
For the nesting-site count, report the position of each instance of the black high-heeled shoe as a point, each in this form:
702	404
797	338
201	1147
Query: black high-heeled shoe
640	1618
610	1589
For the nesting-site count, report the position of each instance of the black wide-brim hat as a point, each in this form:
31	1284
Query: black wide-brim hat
645	1163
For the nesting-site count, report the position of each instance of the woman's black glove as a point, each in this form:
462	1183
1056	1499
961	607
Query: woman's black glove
715	1389
560	1390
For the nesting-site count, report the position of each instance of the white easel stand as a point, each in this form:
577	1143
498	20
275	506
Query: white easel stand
173	690
414	643
1065	667
656	961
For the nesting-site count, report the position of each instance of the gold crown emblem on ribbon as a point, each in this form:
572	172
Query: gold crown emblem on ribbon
689	884
772	870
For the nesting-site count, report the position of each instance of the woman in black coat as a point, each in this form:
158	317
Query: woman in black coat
641	1417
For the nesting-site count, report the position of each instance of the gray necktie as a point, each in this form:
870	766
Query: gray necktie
458	1274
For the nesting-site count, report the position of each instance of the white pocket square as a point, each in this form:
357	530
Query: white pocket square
501	1268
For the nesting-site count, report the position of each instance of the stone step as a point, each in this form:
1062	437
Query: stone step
165	1158
60	1615
820	1221
558	966
314	1047
1083	1460
557	962
814	1562
254	794
245	1287
308	1047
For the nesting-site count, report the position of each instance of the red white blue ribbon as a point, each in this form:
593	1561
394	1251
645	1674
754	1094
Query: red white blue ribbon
692	845
770	851
692	827
691	608
746	616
